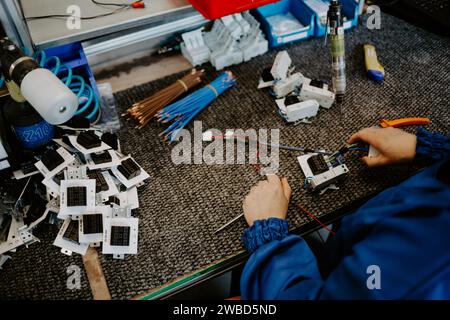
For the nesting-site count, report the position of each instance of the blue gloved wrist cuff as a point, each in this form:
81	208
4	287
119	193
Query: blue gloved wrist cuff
264	231
431	146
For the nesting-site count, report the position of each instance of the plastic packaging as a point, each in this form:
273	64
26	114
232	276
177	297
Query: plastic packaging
110	121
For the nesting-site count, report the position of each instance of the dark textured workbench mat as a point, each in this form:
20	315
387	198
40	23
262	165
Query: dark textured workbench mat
182	206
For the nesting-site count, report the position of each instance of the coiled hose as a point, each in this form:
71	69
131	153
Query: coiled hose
89	103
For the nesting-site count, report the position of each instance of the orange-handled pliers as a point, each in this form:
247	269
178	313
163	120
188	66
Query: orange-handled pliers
404	122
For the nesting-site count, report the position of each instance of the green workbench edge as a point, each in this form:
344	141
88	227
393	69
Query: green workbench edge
240	256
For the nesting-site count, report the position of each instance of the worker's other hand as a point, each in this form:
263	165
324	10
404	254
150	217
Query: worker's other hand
394	145
268	199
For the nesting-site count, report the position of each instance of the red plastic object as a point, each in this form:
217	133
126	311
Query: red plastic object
138	5
214	9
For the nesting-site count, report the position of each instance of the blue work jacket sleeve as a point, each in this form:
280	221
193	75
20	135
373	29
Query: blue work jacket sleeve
279	264
432	147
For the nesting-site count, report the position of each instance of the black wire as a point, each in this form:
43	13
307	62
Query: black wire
70	16
111	4
121	7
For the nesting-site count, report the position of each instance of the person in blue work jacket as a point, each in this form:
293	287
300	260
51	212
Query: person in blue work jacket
396	246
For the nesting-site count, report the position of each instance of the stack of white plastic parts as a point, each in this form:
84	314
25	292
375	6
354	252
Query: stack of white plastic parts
298	97
92	189
233	39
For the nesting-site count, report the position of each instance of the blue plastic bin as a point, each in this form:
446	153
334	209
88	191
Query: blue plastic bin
73	55
298	9
351	10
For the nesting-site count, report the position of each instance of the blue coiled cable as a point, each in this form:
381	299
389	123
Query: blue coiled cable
87	98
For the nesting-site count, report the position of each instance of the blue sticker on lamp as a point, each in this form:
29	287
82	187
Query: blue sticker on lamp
35	136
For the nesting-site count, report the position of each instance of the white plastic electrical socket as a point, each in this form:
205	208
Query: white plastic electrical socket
281	66
298	111
323	96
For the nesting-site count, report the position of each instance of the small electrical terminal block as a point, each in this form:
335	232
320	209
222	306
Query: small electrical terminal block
281	65
280	76
111	140
101	158
322	171
100	181
303	95
317	90
52	160
71	233
295	111
129	169
232	40
89	140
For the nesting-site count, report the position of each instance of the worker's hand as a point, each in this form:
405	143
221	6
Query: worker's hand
268	199
394	145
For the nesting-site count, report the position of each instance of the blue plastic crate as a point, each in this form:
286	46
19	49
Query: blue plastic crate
351	10
266	15
73	55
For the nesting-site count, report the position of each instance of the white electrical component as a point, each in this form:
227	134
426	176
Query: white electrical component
67	160
193	47
226	55
101	165
18	235
243	23
322	171
90	225
130	183
280	76
120	236
232	40
83	199
53	188
233	26
75	172
129	198
297	111
285	86
76	196
253	44
68	238
73	140
317	90
281	66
